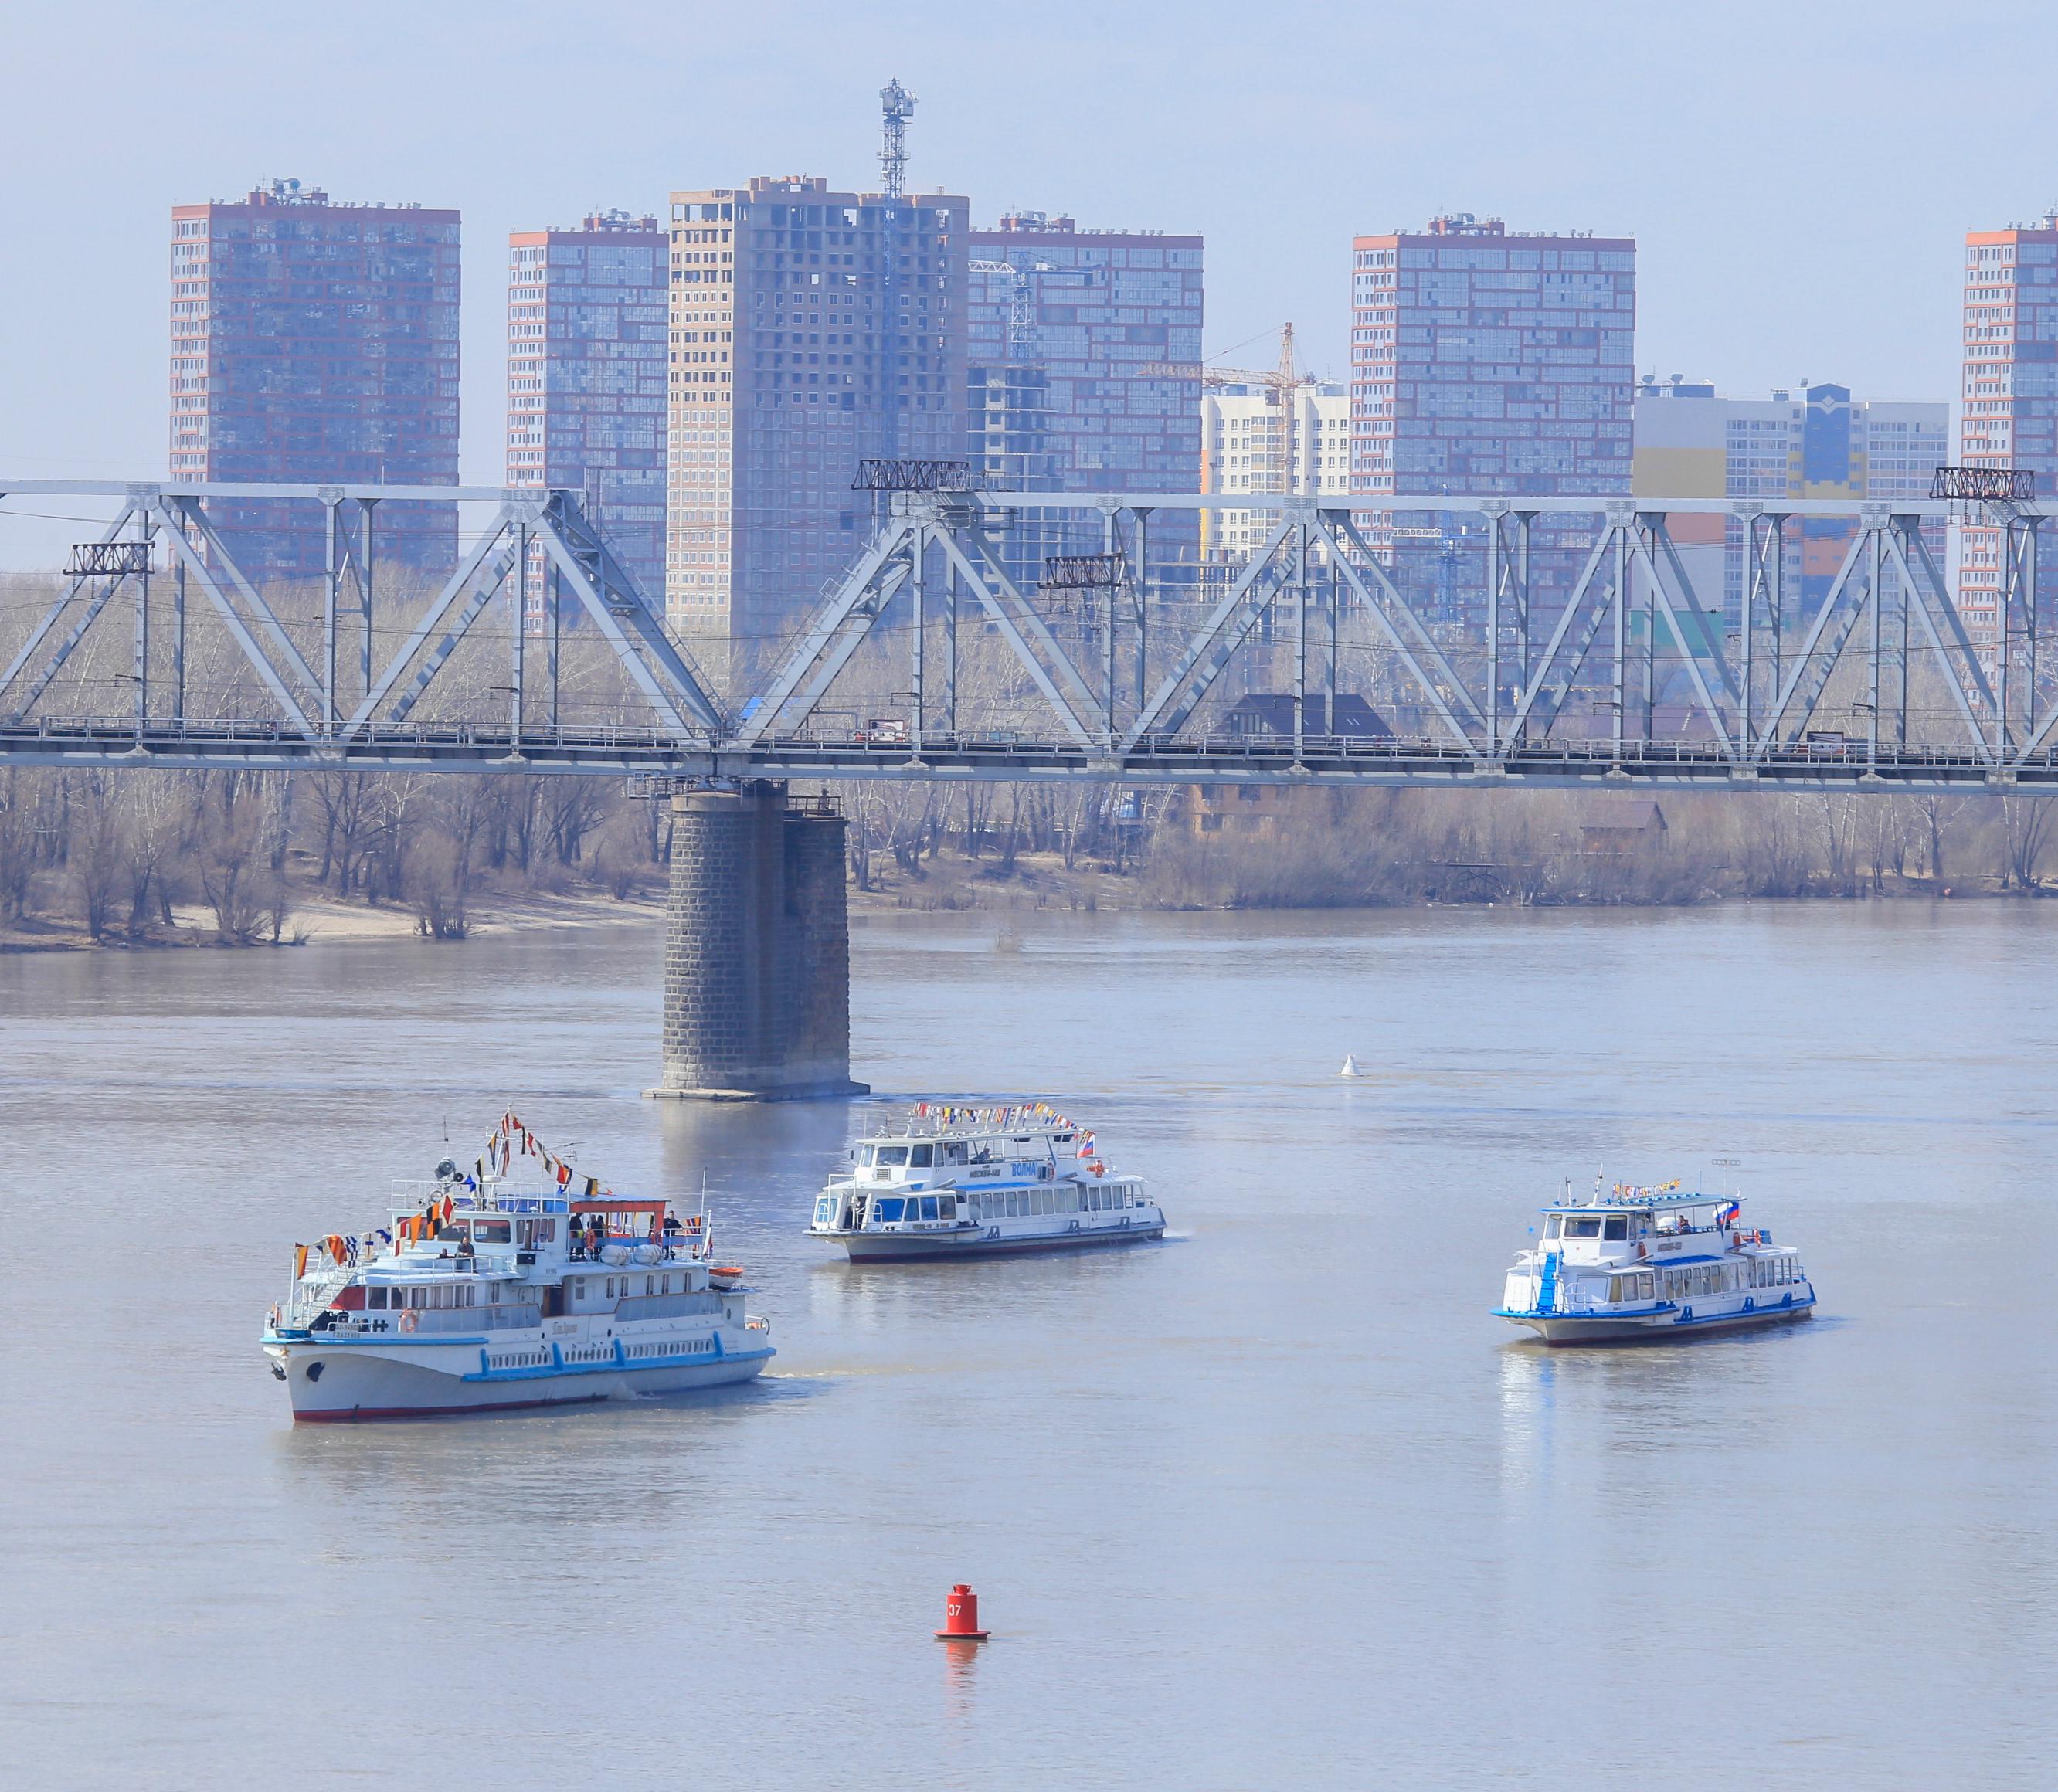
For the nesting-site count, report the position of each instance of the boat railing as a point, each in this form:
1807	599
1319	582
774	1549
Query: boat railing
308	1298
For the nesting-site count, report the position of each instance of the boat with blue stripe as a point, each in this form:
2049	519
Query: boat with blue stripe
1637	1263
958	1183
500	1289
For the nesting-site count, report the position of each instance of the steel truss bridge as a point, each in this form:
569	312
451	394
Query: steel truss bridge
1630	675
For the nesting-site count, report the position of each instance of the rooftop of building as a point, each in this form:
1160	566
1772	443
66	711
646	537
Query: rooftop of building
1467	224
269	194
1047	225
615	222
815	187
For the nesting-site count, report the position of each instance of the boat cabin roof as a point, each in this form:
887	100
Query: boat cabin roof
1639	1201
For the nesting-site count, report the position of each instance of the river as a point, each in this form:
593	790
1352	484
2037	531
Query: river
1276	1503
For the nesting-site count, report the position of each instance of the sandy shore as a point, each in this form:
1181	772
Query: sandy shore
323	921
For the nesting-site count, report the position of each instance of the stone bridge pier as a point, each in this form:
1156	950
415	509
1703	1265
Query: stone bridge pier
756	949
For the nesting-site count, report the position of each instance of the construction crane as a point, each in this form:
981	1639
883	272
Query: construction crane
896	106
1276	381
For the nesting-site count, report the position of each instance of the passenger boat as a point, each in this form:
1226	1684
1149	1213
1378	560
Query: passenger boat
1639	1263
510	1286
963	1183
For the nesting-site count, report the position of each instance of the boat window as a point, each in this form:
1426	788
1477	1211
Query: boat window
825	1210
866	1156
921	1156
946	1206
892	1153
1583	1229
953	1152
492	1231
887	1207
1554	1225
1617	1226
926	1204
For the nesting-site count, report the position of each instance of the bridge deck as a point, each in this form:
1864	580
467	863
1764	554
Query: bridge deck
81	741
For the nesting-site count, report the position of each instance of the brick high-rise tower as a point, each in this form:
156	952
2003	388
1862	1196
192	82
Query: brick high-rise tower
2010	389
315	341
810	330
587	324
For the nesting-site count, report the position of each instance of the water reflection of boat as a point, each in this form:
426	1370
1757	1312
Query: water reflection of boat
1639	1263
489	1291
978	1182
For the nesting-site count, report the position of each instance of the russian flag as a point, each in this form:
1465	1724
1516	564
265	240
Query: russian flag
1729	1214
1086	1144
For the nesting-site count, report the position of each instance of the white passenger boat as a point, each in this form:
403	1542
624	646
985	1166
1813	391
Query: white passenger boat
508	1287
958	1183
1652	1263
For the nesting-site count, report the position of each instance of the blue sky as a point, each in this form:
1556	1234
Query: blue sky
1799	176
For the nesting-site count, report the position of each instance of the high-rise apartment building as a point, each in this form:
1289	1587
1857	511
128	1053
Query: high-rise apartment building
1488	361
587	320
315	340
1811	441
1078	346
2009	391
810	330
1071	336
1264	439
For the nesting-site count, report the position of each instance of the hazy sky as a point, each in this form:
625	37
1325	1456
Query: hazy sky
1798	176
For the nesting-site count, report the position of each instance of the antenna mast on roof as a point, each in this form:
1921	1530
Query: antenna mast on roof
896	105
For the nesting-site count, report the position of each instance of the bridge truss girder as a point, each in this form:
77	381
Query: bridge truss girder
1631	636
529	531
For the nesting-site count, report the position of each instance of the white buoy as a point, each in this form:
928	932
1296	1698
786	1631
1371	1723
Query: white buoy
1350	1067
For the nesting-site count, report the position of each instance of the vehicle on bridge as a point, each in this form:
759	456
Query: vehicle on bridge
981	1181
489	1292
1639	1263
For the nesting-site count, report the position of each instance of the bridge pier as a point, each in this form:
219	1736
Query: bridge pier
756	950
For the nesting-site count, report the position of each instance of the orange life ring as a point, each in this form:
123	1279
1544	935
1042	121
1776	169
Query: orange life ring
409	1320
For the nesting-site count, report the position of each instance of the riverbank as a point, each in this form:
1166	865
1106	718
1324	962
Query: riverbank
325	921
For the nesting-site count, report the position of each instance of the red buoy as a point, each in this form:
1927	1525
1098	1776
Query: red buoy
961	1616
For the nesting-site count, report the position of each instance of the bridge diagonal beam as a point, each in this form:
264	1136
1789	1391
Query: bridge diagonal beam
824	633
1535	683
1896	548
1169	707
426	625
483	590
1354	576
631	626
189	510
1022	628
1709	623
174	516
610	618
52	616
857	627
1805	671
1685	647
1425	644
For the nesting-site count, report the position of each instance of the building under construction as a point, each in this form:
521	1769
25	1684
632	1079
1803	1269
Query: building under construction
1082	356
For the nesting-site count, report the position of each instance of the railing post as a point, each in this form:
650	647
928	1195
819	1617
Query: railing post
1300	641
367	505
918	592
1620	528
519	604
1495	554
331	577
1872	644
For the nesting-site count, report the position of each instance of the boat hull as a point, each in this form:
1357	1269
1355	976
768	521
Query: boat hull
1565	1329
353	1384
894	1247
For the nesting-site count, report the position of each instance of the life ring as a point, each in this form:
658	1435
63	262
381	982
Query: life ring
409	1320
